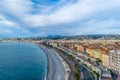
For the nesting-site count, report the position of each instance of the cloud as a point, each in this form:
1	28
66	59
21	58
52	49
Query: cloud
110	26
4	22
69	16
7	23
81	10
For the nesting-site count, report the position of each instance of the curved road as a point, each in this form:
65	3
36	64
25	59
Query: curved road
56	70
85	72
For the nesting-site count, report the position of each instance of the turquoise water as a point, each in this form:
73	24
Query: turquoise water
22	61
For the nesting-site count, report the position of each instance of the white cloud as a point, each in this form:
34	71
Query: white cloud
81	10
7	26
96	27
87	12
16	7
5	22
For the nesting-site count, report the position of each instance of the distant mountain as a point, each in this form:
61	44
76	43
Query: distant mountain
82	37
54	37
96	36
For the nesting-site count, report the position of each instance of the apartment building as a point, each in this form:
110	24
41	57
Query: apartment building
115	60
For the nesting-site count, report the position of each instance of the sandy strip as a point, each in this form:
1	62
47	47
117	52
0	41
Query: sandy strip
56	66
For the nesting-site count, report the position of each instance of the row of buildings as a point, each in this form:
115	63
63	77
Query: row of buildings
108	52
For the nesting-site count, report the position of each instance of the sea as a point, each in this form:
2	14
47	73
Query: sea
22	61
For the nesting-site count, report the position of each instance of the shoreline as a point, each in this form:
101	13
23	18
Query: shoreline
52	73
66	66
47	68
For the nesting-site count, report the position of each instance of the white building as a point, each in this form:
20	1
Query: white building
115	60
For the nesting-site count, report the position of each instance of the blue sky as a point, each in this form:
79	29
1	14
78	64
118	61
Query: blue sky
24	18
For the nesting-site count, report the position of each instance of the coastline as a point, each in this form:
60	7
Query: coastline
66	66
56	69
47	68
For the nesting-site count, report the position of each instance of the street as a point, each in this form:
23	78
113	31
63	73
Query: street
86	73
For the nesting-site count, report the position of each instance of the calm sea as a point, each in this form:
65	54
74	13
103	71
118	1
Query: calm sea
22	61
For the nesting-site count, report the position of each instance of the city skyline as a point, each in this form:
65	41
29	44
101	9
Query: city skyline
26	18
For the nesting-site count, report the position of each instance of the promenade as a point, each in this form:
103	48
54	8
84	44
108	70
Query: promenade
56	69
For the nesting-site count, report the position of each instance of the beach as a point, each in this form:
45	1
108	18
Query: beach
56	69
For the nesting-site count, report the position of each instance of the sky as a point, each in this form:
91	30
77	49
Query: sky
29	18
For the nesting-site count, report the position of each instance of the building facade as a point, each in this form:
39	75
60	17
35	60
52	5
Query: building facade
115	60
